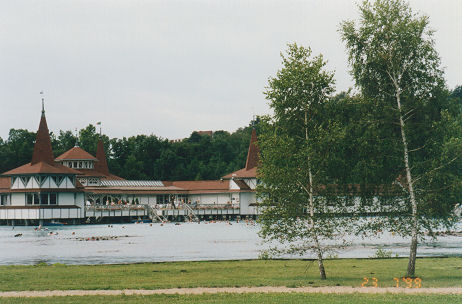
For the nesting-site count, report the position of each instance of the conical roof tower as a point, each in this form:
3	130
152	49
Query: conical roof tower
101	164
42	147
252	154
251	164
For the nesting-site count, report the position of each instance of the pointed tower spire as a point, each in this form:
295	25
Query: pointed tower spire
254	151
101	164
42	147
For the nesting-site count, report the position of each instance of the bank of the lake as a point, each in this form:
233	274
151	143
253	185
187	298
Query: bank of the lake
434	272
285	298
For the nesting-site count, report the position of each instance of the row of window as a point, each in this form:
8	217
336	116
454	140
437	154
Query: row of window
41	198
92	181
79	164
168	198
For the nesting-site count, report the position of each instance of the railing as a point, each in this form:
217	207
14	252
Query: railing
190	213
153	213
197	207
115	207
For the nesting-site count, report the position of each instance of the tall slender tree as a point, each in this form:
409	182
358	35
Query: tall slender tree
396	67
291	162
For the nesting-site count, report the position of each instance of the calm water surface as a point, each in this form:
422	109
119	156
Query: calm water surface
170	242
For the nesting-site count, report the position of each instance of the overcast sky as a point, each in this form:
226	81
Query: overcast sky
171	67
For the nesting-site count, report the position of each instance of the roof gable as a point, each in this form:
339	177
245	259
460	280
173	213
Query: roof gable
76	153
41	168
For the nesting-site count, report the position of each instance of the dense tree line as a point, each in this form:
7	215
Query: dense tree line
198	157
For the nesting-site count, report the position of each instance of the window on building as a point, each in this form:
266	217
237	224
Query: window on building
29	198
163	199
75	164
93	181
80	165
82	180
44	198
36	199
53	199
25	180
4	199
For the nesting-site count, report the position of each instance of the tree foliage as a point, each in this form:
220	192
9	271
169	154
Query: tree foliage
397	69
294	145
143	156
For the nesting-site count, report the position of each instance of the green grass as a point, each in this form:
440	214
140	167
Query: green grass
247	298
435	272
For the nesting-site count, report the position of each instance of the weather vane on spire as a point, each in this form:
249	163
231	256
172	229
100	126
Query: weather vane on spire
43	103
76	138
99	124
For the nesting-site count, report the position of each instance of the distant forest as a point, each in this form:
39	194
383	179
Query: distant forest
198	157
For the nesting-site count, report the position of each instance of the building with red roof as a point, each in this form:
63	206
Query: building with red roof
43	188
78	187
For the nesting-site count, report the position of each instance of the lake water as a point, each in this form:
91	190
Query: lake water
170	242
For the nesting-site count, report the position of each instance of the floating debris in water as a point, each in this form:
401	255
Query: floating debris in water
100	238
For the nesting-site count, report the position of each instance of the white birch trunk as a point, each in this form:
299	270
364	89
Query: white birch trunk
322	271
414	230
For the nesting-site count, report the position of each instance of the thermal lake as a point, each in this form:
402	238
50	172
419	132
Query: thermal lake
131	243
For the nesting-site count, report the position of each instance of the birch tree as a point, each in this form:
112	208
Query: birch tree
395	65
291	161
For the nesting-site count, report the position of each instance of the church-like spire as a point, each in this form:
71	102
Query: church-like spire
101	164
42	147
254	151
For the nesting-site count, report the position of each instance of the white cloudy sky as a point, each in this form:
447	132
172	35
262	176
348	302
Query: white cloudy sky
171	67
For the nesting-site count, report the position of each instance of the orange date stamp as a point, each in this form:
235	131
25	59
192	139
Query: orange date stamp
403	282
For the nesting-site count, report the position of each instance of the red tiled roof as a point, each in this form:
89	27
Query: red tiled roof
101	165
112	177
42	147
5	182
76	153
90	173
200	185
41	167
96	173
243	173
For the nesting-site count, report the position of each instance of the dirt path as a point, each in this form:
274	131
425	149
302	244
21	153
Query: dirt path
201	290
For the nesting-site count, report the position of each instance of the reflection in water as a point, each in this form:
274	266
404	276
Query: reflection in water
129	243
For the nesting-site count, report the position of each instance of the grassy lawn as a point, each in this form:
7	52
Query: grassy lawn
435	272
247	298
